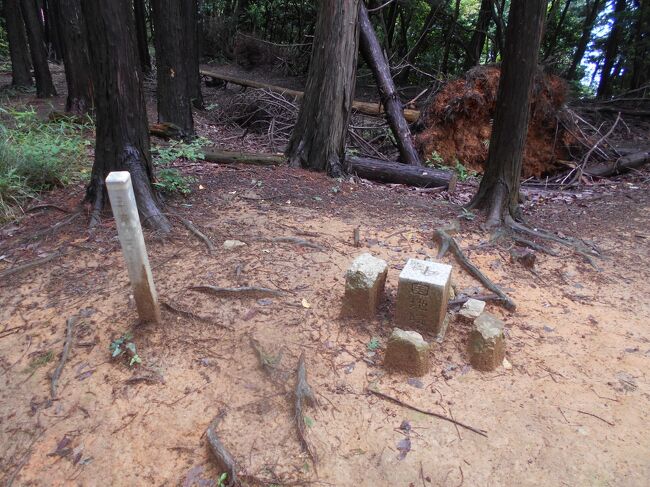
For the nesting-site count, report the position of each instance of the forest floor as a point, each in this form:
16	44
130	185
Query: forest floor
572	409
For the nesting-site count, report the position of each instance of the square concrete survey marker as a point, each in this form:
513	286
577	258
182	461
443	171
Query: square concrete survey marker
364	286
422	295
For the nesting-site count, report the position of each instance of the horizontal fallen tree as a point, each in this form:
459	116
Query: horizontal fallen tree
622	164
374	109
371	169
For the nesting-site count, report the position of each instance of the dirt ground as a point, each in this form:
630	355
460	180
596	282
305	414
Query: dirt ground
571	410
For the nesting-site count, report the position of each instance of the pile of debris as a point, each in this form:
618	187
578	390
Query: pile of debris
457	123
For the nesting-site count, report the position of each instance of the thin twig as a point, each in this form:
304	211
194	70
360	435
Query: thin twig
597	417
239	292
64	355
428	413
190	226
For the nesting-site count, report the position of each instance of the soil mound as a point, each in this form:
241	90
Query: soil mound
457	123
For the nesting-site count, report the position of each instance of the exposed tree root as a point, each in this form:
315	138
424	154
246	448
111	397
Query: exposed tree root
533	245
304	394
297	241
192	316
30	265
428	413
225	460
447	242
190	226
239	292
481	297
588	252
64	356
269	363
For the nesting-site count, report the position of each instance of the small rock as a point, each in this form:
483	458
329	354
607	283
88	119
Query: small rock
364	286
506	364
471	310
487	343
525	257
233	244
407	352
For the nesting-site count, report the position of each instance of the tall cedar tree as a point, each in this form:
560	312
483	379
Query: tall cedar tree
18	51
612	47
44	86
591	14
139	10
476	44
122	142
76	58
499	189
173	51
318	138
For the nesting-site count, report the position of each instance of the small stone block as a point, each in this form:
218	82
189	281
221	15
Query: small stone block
423	294
407	352
364	286
486	343
471	310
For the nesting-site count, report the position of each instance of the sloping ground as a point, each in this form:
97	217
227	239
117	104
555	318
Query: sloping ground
457	123
573	410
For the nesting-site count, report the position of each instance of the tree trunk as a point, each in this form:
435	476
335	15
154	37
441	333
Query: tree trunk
173	48
479	35
44	86
641	63
611	50
371	51
192	29
587	26
420	44
141	35
18	51
387	172
499	189
499	38
318	139
76	57
51	32
122	141
557	27
449	35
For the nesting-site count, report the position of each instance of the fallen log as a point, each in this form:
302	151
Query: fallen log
364	167
391	172
374	56
374	109
622	164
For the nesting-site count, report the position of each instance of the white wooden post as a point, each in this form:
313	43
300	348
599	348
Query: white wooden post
125	211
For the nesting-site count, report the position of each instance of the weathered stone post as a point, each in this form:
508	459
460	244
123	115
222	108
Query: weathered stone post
125	211
422	295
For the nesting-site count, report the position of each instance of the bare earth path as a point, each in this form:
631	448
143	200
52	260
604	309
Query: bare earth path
572	410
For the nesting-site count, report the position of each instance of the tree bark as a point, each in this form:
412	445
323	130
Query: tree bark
51	32
479	35
611	50
390	172
172	51
194	77
499	189
44	86
557	27
76	57
18	51
371	51
122	140
451	28
590	18
318	139
641	62
139	11
499	37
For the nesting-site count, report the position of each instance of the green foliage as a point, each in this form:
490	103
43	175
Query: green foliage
309	422
170	180
37	155
124	347
163	155
373	344
463	173
39	361
221	481
434	160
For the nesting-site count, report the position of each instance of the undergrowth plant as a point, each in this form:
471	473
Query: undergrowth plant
168	179
37	155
